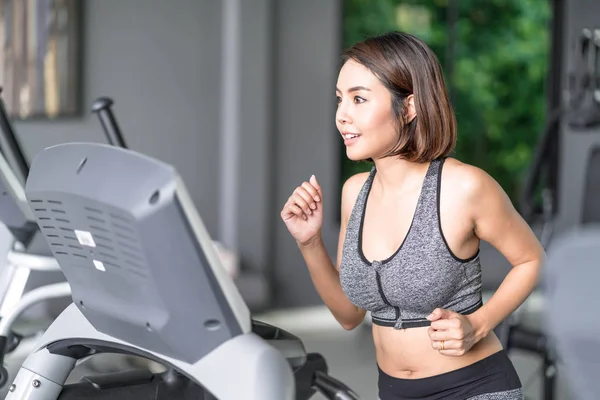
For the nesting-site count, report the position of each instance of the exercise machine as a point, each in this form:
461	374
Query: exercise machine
562	189
21	262
146	281
31	275
570	285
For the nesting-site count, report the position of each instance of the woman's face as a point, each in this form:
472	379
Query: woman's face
364	113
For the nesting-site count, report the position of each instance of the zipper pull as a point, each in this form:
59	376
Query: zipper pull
376	265
399	321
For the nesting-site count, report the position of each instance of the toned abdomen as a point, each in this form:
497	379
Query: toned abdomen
408	354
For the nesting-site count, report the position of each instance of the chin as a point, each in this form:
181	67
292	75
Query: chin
355	155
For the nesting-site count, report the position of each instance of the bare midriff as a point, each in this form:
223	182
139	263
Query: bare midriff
408	354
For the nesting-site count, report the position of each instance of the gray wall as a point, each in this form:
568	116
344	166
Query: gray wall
161	61
256	167
306	138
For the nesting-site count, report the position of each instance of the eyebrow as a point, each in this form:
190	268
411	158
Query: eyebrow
354	89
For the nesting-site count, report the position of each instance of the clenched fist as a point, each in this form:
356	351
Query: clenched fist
452	334
303	211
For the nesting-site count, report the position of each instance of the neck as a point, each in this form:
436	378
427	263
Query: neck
396	175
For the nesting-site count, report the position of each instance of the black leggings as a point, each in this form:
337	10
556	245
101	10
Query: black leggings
493	378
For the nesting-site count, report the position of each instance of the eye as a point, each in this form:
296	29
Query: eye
338	99
359	100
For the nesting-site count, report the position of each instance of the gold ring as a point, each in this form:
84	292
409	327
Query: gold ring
442	345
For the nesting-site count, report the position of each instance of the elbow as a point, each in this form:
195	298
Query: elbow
351	323
348	326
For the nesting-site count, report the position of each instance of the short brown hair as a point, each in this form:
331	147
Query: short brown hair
406	65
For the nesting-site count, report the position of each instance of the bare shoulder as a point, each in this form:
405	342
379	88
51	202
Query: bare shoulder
350	191
495	219
470	183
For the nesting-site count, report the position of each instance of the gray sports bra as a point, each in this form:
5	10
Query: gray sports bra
421	275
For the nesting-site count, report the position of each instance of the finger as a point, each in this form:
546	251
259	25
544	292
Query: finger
306	191
295	210
300	203
452	353
437	336
448	345
303	199
440	313
313	192
445	324
435	315
451	334
313	181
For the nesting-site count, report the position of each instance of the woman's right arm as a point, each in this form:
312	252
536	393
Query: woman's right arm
324	275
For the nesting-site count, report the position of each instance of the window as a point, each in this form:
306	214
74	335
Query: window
495	55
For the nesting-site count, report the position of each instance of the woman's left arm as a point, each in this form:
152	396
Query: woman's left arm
497	222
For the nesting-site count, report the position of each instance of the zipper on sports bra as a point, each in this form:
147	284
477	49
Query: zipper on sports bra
385	300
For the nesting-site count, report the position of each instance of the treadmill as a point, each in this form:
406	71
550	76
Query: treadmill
570	285
146	281
28	258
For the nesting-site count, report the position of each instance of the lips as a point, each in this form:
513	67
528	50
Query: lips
350	138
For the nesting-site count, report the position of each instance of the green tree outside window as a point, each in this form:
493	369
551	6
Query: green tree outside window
498	63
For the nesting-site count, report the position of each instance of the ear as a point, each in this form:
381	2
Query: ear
411	111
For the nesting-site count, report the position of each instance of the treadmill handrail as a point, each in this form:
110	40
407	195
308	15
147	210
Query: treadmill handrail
539	158
14	149
38	295
102	107
33	262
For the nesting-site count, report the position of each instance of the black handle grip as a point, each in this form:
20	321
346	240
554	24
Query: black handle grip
14	150
332	388
102	107
317	362
526	340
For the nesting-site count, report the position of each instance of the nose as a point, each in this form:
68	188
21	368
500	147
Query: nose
341	115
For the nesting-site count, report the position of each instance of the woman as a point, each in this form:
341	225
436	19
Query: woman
410	230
